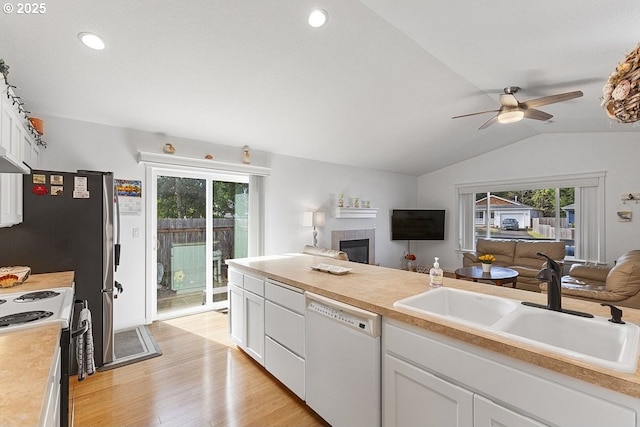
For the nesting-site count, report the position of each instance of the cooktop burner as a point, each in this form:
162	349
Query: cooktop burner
36	296
24	317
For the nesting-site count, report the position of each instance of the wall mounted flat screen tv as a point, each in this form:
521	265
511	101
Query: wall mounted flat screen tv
417	224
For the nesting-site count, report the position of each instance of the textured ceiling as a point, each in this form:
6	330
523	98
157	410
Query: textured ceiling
375	87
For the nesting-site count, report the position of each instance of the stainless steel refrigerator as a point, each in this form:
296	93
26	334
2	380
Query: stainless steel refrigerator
68	224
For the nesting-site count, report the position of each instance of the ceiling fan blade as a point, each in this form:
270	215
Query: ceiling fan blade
545	100
532	113
475	114
508	100
489	122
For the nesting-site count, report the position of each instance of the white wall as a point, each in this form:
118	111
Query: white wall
299	185
295	185
543	155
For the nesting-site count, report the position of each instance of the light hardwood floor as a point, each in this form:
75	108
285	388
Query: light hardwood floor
201	379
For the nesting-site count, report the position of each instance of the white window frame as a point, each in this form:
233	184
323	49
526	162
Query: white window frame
589	202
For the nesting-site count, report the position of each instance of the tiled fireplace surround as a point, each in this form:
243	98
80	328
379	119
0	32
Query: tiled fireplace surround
339	235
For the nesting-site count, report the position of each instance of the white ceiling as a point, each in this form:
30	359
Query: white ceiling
375	87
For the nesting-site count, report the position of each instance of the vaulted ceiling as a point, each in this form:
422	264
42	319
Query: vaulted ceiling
375	87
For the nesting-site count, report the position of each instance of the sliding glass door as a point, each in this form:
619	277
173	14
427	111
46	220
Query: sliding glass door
200	220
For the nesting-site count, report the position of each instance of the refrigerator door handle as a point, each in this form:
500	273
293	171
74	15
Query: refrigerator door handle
119	289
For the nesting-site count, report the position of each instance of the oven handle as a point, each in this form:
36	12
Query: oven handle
85	325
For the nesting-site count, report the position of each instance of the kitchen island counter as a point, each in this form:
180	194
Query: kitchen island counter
377	288
26	359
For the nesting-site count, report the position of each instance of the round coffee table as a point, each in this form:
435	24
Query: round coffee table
498	275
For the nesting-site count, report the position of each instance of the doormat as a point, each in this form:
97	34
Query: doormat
131	346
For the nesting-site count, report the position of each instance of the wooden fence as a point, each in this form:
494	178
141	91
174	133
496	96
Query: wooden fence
174	232
547	228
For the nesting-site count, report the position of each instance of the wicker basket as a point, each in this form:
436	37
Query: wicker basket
622	92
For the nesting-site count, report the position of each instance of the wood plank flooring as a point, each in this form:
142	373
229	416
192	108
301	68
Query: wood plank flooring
201	379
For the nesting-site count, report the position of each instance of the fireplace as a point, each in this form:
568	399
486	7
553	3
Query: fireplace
342	240
357	250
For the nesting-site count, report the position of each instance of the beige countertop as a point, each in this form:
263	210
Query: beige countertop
26	357
377	288
38	282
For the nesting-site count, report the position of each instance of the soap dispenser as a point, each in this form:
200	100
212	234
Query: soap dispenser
435	275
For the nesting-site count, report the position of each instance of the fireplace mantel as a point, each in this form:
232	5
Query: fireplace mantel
355	212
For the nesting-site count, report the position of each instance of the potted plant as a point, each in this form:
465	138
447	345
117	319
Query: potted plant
410	258
486	260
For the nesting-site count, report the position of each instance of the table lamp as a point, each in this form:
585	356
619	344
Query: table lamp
314	219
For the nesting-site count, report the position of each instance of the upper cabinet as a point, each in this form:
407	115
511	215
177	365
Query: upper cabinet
11	134
18	152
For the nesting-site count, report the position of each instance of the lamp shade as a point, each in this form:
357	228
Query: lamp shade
313	219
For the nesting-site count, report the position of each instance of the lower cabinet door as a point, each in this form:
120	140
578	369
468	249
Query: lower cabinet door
489	414
236	314
254	326
285	366
414	397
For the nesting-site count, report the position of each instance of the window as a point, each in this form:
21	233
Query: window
567	208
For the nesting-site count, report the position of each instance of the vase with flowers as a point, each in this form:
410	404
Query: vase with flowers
486	261
410	258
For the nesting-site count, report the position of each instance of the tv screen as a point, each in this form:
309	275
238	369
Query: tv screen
417	224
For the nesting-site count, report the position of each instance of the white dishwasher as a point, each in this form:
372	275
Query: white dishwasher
342	351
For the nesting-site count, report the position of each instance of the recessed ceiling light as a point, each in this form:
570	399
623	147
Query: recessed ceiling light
317	18
92	41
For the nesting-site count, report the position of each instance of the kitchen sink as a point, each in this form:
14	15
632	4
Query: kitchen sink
461	306
591	340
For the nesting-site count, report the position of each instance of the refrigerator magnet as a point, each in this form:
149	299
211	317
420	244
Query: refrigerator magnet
39	190
79	183
57	190
57	179
39	178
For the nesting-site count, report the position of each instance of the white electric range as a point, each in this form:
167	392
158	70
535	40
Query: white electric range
28	309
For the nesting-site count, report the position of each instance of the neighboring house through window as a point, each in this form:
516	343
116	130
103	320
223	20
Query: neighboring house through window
566	208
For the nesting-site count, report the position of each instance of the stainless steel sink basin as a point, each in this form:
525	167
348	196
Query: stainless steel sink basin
461	306
592	340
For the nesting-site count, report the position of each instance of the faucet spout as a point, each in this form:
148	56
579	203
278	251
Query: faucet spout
551	275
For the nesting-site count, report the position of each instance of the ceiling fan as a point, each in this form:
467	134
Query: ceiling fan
511	110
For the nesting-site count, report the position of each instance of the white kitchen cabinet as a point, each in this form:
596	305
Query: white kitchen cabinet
488	414
418	398
246	313
284	335
50	416
236	314
30	151
507	392
10	199
15	136
254	325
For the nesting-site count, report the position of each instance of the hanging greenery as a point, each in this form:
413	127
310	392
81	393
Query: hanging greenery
4	68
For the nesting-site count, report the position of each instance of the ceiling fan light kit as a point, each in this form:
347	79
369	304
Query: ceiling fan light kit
511	116
511	110
621	93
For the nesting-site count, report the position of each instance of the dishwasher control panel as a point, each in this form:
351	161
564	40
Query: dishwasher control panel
362	323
